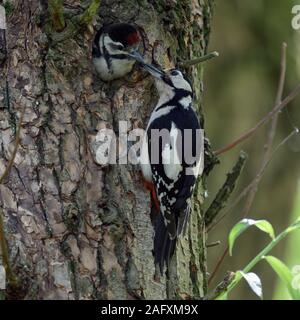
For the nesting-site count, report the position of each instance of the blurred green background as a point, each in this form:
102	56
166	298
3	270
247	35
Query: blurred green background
240	89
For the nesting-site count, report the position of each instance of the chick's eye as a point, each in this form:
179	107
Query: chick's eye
117	46
174	73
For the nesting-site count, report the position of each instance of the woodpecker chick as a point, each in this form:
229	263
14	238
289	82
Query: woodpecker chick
111	48
168	174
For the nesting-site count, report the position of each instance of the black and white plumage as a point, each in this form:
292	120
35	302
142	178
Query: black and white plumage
172	176
111	48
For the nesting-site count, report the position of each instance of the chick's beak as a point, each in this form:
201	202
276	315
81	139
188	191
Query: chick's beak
155	72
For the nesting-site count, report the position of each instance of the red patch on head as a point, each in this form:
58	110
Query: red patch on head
133	38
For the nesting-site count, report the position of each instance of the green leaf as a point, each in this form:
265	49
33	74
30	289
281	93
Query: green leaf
286	275
244	224
254	282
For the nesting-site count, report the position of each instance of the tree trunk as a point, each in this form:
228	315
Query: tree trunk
76	229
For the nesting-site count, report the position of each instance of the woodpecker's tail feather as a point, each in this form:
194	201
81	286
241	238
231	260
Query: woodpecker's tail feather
164	247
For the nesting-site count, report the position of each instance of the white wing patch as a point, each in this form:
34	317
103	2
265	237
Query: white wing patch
170	157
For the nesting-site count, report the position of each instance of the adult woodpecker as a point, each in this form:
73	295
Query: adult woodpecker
170	162
111	48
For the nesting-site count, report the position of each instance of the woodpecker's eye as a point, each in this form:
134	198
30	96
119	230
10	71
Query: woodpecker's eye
174	73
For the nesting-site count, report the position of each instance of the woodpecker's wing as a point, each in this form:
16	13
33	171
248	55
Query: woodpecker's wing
173	182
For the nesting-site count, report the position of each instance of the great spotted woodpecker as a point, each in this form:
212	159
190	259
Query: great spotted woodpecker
168	174
111	48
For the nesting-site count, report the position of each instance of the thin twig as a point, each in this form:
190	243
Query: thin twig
251	191
262	122
242	195
272	130
271	134
213	244
195	61
218	265
248	188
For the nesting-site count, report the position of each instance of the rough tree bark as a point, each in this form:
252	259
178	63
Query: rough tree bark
76	229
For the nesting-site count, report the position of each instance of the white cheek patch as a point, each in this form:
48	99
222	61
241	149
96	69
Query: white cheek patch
106	41
180	83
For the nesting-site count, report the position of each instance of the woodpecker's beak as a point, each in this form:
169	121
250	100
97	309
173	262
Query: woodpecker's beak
149	67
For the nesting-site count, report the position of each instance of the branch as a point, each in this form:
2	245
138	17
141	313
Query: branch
226	190
192	62
258	176
262	122
218	265
271	134
241	196
251	189
74	25
282	77
56	11
88	15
